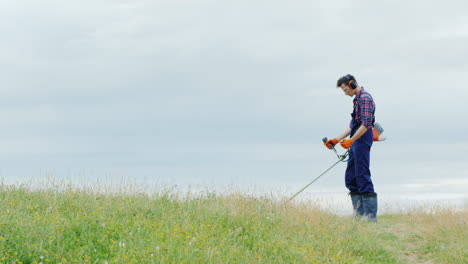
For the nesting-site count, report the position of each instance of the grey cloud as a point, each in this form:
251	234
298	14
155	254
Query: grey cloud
125	83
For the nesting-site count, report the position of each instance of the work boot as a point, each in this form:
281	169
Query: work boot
369	203
356	199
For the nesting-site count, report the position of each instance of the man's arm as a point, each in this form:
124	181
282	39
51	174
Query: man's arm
335	141
345	134
361	131
346	143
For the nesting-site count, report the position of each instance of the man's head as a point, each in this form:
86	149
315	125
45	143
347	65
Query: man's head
348	84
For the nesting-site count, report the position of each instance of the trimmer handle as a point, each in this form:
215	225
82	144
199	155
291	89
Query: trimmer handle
325	139
340	157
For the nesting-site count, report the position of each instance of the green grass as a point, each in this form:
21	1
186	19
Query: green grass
71	226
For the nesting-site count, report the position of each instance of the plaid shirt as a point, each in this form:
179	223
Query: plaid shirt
364	109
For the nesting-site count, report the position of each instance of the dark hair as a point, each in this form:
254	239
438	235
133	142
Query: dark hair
345	80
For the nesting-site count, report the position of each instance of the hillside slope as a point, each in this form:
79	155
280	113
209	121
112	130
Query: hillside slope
70	226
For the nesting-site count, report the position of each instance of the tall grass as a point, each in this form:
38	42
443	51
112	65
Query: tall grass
79	226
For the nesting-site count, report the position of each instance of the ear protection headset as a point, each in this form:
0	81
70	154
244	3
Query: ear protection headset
352	83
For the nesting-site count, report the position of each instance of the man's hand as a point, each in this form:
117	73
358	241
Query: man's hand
330	143
346	143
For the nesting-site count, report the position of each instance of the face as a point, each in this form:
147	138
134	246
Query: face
347	90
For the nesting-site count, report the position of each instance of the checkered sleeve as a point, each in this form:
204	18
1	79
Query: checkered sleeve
367	109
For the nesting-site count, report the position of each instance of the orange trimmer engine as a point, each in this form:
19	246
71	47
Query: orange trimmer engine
378	130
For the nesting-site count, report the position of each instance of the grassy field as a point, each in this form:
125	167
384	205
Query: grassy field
71	226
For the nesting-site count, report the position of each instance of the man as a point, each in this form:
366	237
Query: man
358	175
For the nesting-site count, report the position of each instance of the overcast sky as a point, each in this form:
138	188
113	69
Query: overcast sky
232	92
